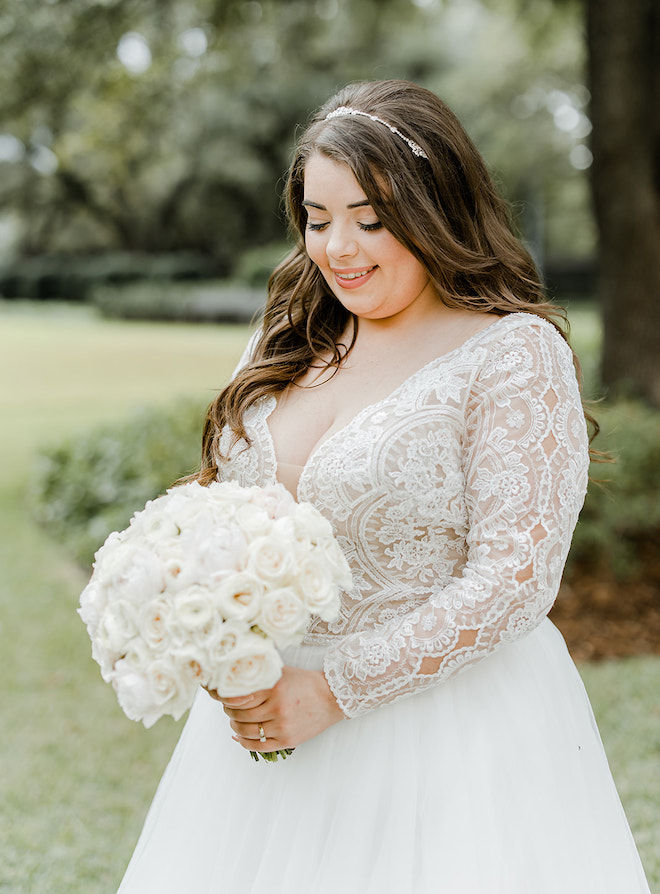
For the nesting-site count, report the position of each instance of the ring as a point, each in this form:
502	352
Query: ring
262	734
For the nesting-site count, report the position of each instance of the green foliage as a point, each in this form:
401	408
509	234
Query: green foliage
206	302
256	265
91	485
73	278
187	151
623	502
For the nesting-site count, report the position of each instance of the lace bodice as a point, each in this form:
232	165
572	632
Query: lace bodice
454	499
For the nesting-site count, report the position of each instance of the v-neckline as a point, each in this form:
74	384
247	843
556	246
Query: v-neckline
270	402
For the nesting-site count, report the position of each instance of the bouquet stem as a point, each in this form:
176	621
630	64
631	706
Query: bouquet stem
271	756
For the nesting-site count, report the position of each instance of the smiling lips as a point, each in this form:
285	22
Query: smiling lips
353	278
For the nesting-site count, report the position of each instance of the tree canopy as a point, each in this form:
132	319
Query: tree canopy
165	125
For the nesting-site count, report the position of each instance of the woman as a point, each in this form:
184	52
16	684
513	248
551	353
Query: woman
409	381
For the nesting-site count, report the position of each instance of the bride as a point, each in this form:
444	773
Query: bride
410	381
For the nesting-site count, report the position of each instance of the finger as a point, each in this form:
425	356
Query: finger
252	731
247	701
249	715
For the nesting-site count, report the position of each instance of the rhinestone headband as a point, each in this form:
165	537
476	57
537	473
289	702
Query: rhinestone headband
345	111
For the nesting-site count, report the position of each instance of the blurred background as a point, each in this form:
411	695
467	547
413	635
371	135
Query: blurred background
143	145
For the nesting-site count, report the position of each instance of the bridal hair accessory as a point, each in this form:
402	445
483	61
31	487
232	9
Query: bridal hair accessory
346	111
262	734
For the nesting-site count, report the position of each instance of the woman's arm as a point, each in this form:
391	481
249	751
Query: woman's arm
525	463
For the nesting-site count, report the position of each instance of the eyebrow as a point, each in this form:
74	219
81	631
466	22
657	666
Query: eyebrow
323	208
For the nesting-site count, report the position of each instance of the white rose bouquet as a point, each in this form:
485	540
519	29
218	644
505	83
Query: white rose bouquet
203	588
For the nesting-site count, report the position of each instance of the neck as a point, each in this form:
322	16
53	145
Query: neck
426	310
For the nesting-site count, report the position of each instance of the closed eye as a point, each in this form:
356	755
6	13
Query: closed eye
318	227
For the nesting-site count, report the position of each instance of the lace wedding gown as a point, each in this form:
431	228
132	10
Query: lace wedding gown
480	771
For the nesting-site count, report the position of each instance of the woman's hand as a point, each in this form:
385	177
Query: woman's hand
300	706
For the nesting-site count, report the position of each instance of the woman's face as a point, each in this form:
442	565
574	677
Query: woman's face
371	273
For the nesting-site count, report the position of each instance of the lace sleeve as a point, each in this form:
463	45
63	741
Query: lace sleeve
248	351
525	467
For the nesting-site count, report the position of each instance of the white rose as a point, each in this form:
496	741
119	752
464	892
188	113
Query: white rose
223	552
192	669
92	604
226	497
104	657
238	596
112	542
310	520
117	627
329	551
199	526
194	609
153	523
154	624
180	565
254	520
275	499
253	664
184	501
224	638
147	689
286	530
132	570
165	680
283	617
134	693
318	588
271	560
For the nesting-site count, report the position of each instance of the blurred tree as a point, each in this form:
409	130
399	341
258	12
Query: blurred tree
624	68
167	124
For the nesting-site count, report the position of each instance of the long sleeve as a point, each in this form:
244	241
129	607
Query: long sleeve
248	350
524	462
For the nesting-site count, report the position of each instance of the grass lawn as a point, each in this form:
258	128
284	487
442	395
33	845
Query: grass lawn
76	776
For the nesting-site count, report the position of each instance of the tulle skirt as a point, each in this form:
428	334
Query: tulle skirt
494	782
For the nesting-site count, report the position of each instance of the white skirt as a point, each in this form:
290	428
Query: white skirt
494	782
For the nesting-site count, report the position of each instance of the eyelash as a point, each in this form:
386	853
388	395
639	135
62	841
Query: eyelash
318	227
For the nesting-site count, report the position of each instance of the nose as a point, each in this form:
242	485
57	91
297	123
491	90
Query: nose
341	243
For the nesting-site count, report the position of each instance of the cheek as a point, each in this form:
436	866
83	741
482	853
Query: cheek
315	247
407	264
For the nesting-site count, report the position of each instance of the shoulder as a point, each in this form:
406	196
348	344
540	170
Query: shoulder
521	338
526	326
523	354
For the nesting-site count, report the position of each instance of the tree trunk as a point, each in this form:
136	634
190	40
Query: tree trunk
624	69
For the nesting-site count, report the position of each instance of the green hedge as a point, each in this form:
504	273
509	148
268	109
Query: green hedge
256	264
623	503
90	486
73	277
200	302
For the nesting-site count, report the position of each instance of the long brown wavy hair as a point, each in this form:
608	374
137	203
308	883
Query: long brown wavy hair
445	209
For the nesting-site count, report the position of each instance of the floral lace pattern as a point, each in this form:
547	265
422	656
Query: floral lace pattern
454	499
